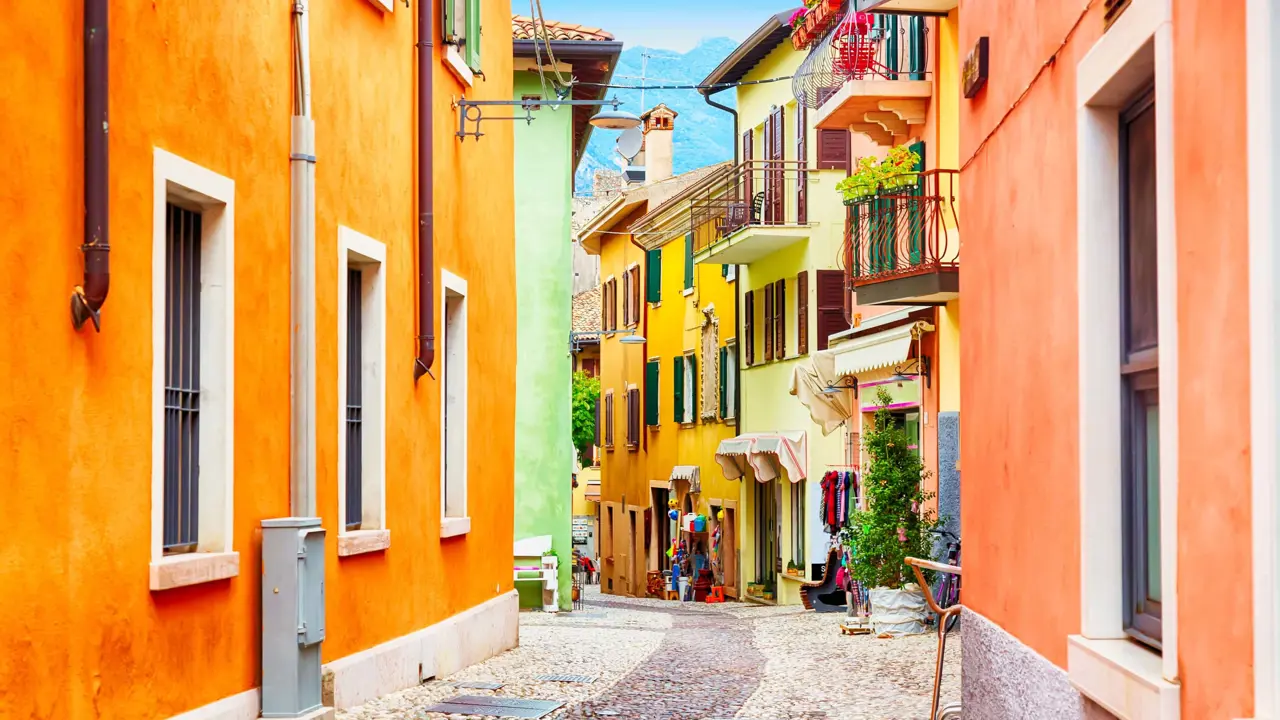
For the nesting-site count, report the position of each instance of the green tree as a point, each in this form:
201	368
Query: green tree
895	524
586	391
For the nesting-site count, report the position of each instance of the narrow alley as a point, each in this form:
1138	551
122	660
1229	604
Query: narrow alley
650	660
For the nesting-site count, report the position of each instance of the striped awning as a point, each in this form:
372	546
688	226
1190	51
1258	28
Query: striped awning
768	454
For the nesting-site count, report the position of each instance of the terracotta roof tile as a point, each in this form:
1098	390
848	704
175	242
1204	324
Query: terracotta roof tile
586	311
524	28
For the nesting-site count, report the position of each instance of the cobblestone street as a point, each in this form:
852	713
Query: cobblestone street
656	660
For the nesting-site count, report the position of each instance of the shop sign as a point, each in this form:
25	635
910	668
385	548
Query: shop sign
904	394
581	529
974	72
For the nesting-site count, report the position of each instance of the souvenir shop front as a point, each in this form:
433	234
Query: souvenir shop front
773	467
693	545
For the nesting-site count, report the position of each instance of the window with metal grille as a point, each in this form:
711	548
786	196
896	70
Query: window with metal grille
182	380
354	416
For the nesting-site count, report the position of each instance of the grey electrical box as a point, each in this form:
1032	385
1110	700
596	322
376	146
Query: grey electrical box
292	616
634	174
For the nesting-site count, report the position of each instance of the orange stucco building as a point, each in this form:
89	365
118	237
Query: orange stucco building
1120	520
102	616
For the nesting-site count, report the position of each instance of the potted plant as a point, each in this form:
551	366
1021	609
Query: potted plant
896	525
895	171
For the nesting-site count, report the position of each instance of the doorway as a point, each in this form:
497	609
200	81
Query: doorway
767	547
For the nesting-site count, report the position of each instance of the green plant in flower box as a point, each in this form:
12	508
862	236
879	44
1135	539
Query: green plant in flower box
897	169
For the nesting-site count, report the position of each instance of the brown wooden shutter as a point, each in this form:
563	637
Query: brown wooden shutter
780	319
748	151
834	149
769	337
749	328
604	306
802	157
775	185
831	317
802	312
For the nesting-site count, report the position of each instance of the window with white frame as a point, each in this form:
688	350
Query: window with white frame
1126	252
729	380
453	402
461	29
193	374
362	355
690	370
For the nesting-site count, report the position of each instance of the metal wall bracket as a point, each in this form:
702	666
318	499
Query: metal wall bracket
472	111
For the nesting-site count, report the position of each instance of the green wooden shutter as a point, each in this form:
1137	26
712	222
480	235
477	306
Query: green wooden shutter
688	261
677	405
454	26
472	44
651	393
917	219
653	275
724	271
916	36
724	376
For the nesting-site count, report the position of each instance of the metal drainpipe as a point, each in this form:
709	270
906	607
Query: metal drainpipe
426	194
644	361
737	274
302	231
87	299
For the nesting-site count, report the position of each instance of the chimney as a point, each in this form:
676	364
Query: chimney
657	153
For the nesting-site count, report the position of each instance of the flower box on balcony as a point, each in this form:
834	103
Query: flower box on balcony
818	21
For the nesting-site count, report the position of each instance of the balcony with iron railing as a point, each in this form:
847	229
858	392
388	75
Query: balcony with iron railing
902	244
752	211
872	75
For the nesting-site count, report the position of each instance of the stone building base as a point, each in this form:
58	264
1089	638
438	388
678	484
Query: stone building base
1004	679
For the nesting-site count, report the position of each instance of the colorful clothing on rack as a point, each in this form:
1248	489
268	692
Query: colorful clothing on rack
838	489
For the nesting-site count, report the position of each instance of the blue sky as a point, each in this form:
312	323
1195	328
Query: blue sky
671	24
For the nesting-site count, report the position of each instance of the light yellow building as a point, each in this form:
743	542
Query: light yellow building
779	217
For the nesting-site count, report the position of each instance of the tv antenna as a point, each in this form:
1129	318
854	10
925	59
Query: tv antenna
643	77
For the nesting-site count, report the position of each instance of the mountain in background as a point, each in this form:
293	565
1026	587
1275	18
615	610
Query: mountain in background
703	134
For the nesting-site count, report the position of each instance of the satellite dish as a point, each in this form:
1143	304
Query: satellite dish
630	142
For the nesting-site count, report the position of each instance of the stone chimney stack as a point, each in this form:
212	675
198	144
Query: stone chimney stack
657	153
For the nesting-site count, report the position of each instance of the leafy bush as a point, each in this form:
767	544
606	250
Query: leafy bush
896	524
586	391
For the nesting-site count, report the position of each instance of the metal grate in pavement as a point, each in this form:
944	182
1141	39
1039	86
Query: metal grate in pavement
583	679
474	685
495	706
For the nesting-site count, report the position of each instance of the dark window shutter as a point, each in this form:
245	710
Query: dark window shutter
677	394
598	424
834	149
802	155
768	322
689	260
802	312
749	328
653	275
633	416
635	294
723	376
830	297
780	320
748	150
1112	11
651	392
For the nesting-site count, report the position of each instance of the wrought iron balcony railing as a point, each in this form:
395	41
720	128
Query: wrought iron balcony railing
903	231
754	193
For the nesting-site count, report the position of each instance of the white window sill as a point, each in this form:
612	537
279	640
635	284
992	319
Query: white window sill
687	292
177	571
453	59
453	527
358	542
1123	677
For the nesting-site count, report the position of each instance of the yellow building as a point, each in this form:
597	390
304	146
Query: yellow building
779	216
634	404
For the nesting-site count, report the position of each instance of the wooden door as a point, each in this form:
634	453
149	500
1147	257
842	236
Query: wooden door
622	570
729	551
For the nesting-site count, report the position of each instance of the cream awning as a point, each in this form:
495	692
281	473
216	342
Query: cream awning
689	473
768	454
886	348
809	382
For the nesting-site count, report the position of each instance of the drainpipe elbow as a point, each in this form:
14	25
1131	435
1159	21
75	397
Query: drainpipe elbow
87	299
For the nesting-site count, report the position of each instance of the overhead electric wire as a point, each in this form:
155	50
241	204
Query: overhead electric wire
706	86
